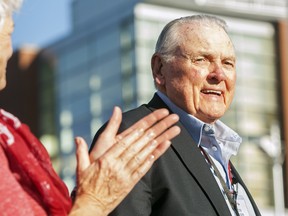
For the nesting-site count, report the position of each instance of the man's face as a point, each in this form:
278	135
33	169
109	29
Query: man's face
5	48
200	77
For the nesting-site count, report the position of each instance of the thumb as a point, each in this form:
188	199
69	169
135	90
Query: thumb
107	138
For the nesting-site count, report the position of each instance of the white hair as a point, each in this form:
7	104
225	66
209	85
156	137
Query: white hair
169	37
7	7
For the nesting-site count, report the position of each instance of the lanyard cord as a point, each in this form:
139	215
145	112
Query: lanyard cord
230	195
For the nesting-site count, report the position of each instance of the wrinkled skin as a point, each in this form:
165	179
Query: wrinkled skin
200	77
118	162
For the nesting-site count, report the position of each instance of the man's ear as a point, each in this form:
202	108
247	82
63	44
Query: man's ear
156	66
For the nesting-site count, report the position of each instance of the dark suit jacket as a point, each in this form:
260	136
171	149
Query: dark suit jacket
179	183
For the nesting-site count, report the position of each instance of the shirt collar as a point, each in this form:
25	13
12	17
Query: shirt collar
195	127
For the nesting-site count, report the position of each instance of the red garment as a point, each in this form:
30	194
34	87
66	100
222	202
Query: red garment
28	183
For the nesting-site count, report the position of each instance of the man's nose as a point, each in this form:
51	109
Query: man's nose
216	72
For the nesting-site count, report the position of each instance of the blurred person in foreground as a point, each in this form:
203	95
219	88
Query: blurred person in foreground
30	186
194	71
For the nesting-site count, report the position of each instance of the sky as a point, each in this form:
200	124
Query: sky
41	22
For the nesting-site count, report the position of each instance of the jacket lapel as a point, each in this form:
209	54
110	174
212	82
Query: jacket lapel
186	149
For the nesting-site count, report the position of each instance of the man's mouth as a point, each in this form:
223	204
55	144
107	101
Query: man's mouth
215	92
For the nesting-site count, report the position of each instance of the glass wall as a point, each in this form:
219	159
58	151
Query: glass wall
89	85
73	92
128	67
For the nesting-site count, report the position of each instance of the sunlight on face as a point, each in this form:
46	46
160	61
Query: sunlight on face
201	76
5	47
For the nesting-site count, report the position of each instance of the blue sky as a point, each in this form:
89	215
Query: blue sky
40	22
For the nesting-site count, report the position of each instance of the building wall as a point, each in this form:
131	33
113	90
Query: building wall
29	95
20	96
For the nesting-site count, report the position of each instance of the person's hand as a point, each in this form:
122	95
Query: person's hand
117	162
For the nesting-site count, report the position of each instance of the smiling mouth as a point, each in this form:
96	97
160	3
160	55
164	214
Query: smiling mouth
214	92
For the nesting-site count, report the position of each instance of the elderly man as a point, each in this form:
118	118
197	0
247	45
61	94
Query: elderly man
195	74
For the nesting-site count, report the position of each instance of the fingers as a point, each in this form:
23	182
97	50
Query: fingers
141	169
164	141
107	137
137	151
146	130
150	134
140	145
113	124
142	161
147	121
82	156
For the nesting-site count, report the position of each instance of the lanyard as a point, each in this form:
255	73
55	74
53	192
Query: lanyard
231	195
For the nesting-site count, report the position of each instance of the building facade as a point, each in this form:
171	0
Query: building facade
105	61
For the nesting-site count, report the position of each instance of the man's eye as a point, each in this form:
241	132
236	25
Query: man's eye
229	63
199	60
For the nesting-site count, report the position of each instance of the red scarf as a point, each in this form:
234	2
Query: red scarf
27	155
